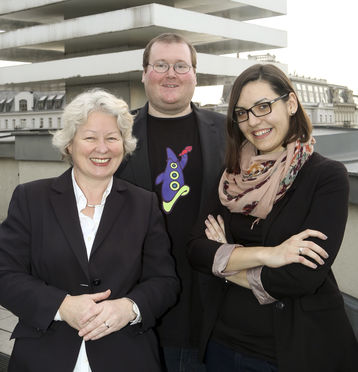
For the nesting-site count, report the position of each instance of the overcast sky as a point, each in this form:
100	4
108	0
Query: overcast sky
322	42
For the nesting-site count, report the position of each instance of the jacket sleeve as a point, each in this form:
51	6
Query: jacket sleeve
201	251
29	298
158	286
327	212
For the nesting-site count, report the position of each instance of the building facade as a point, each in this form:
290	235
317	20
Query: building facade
325	103
73	44
29	110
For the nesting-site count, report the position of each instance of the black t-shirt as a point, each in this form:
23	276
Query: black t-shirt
176	166
243	324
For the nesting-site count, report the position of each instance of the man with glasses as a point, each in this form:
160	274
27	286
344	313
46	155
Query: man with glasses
179	155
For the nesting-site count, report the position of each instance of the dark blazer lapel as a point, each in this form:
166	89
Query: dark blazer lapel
64	204
111	212
212	159
273	215
136	168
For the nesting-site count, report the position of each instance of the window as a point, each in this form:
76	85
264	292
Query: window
2	104
305	97
23	105
8	104
6	123
310	93
50	122
41	122
304	93
58	101
58	122
41	103
49	102
316	94
33	122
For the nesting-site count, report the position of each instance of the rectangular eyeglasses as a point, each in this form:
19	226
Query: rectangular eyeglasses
260	109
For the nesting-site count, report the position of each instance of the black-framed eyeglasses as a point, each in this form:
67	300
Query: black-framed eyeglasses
261	109
162	67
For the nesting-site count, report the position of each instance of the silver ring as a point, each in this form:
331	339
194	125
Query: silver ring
219	239
106	324
300	250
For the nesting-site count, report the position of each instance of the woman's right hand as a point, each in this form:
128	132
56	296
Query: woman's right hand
295	250
75	308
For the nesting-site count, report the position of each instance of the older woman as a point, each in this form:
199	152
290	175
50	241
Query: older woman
273	302
84	258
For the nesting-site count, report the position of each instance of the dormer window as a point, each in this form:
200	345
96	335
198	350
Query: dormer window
8	104
41	103
49	102
23	105
58	101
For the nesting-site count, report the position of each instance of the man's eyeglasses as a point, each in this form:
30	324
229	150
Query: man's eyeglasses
162	67
261	109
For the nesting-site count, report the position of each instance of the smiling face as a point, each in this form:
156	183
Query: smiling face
268	132
96	149
169	93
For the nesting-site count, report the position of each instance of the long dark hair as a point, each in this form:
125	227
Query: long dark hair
300	127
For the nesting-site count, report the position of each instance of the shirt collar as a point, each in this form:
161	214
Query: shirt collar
81	200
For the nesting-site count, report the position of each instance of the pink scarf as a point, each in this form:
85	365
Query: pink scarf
264	179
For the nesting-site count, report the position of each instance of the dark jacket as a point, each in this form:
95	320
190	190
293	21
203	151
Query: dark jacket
43	257
136	169
311	329
212	133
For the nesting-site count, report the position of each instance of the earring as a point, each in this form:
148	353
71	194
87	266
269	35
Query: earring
292	113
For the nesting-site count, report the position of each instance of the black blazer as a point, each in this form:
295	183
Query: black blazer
136	169
311	329
43	258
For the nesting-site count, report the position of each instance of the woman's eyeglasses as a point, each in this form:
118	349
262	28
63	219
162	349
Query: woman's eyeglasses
261	109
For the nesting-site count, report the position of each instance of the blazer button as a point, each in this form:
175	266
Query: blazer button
96	282
280	305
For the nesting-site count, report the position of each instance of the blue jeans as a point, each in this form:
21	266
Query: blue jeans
182	360
222	359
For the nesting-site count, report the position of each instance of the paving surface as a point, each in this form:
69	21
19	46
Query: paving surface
7	324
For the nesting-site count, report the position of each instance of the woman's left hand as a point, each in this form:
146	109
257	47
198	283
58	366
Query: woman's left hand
215	229
115	315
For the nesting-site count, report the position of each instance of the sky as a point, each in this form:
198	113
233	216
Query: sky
322	43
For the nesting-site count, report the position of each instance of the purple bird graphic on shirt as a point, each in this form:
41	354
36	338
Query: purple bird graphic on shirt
172	179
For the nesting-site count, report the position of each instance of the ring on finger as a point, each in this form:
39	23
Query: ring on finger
219	239
106	324
300	251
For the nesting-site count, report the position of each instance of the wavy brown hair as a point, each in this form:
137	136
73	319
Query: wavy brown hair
300	127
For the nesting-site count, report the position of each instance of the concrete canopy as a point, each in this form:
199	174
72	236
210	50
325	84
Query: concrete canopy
131	29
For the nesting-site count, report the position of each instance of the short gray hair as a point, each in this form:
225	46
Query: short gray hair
76	114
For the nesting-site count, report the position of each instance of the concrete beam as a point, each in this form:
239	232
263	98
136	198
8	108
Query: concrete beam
121	66
134	27
39	10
